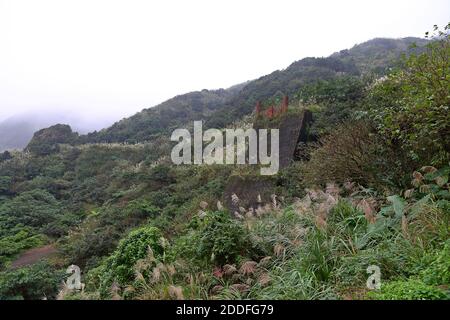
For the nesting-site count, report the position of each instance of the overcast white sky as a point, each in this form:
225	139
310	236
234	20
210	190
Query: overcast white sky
109	59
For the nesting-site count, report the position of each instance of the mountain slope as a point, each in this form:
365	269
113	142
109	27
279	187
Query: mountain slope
379	54
164	117
219	108
140	227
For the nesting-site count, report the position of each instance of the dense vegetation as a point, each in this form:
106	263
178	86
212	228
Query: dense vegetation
222	107
372	189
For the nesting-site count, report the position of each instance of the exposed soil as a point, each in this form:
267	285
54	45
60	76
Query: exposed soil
33	255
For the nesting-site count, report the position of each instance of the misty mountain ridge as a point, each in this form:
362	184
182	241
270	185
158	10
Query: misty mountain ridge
16	131
217	107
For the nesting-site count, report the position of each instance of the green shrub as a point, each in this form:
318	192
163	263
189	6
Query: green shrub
31	283
222	238
407	290
45	141
215	238
337	99
142	208
438	270
34	208
5	185
119	266
352	151
14	244
411	106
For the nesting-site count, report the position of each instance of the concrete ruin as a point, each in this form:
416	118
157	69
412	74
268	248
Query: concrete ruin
294	127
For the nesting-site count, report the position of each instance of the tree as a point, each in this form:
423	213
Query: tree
411	106
5	156
5	184
36	209
31	283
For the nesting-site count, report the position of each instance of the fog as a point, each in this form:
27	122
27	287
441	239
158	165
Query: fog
95	61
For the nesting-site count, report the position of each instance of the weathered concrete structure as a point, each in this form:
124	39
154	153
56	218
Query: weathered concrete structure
248	188
294	128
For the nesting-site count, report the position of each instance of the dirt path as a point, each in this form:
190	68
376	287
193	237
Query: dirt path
33	255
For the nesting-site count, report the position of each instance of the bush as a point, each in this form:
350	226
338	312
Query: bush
35	208
407	290
5	156
290	283
215	238
438	269
319	255
142	208
352	152
31	283
14	244
5	185
411	106
119	266
337	100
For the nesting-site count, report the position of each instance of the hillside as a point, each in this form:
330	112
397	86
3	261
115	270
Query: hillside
164	117
379	54
218	107
221	107
364	183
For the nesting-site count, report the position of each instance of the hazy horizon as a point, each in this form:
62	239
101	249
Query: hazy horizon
100	61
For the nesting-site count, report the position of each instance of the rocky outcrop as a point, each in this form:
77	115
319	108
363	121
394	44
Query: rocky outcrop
46	141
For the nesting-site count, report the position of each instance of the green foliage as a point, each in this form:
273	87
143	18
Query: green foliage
119	266
5	156
143	208
333	258
291	181
104	192
163	118
5	185
279	230
220	108
338	99
352	151
411	106
318	255
14	244
408	290
382	53
31	283
218	238
289	282
437	268
37	209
